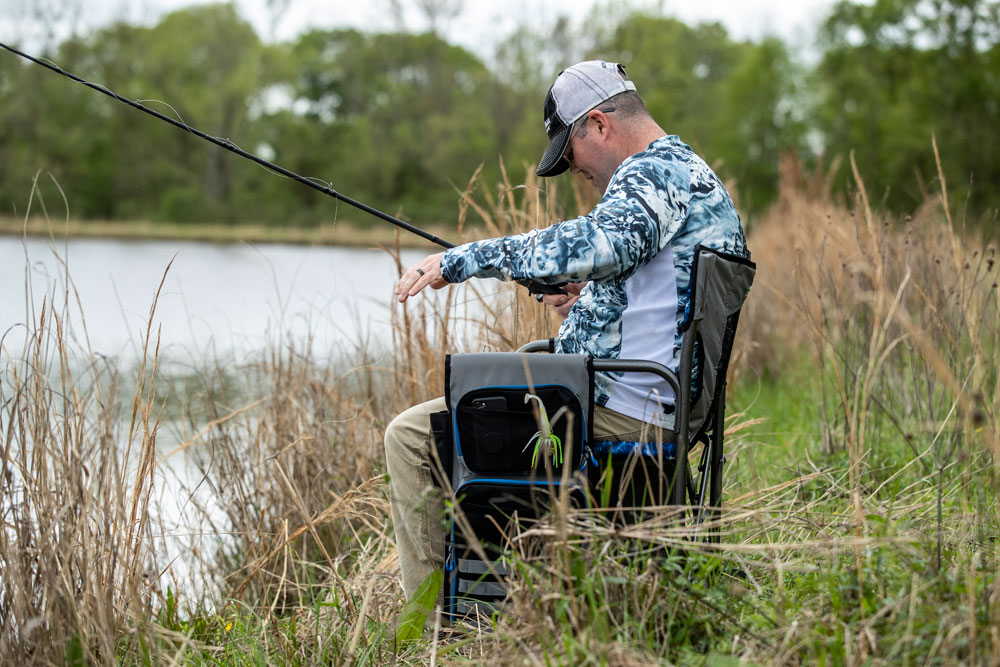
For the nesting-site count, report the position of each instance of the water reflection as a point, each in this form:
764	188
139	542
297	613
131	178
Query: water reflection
216	299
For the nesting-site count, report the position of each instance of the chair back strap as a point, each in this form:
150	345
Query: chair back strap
719	286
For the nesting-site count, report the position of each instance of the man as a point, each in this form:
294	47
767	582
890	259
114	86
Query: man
628	263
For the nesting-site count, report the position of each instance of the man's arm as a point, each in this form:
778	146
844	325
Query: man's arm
642	209
644	206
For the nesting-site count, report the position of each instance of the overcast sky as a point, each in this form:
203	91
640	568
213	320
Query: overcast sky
478	25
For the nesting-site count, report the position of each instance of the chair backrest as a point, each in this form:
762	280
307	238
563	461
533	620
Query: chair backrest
720	283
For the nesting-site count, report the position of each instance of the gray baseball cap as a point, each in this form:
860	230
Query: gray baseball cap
576	91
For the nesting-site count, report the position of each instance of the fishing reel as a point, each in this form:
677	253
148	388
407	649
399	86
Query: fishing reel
539	290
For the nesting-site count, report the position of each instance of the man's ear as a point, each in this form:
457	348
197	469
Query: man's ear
600	121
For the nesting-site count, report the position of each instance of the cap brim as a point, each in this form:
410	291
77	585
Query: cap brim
552	162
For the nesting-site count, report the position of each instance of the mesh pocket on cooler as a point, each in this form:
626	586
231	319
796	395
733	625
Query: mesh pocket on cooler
501	440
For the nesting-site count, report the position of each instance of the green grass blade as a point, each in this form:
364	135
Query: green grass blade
419	607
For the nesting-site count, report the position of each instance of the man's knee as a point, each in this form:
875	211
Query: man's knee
407	437
394	433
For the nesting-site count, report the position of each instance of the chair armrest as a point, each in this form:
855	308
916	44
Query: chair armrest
639	366
544	345
613	365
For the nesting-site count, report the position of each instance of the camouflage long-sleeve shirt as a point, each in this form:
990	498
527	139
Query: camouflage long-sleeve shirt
636	247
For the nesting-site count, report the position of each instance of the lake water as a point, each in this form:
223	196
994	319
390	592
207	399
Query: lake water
217	299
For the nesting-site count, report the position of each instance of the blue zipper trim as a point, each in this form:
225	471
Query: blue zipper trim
641	448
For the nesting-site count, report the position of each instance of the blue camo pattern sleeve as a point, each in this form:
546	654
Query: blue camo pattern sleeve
642	208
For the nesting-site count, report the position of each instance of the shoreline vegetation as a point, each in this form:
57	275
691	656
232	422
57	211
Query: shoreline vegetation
859	523
341	233
392	115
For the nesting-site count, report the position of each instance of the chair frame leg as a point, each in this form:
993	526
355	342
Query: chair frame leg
716	461
705	497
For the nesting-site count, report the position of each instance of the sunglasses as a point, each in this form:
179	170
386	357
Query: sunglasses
568	155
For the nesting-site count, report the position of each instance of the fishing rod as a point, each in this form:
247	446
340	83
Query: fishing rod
534	287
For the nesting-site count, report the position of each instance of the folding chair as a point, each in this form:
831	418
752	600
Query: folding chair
719	286
501	477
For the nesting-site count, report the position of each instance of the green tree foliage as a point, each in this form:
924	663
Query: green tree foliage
390	119
524	64
397	120
897	72
732	101
203	66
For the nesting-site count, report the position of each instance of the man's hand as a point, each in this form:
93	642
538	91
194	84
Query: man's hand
425	273
563	302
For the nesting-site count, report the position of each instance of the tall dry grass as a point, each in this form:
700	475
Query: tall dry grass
900	314
875	544
77	548
898	317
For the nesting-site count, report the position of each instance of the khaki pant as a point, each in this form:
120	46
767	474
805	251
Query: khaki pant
417	505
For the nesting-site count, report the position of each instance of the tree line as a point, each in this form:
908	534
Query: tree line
400	120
